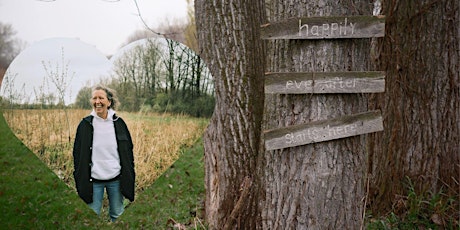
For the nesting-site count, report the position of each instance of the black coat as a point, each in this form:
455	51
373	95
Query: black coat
82	152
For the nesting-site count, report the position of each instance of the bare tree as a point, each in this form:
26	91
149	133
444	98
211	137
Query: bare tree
61	79
9	47
10	95
190	29
138	71
170	63
59	76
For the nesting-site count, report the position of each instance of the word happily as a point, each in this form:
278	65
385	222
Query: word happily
327	29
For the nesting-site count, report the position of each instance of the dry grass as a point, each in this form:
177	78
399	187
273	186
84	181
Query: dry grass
157	139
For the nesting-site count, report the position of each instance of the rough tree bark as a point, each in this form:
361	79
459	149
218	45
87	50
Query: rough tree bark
322	185
314	186
421	106
228	35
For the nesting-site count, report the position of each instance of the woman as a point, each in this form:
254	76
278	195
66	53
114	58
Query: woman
103	156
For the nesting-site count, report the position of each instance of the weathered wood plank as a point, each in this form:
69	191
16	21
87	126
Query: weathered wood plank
325	82
319	131
325	28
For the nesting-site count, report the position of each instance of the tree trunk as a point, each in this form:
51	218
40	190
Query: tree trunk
420	54
228	35
322	185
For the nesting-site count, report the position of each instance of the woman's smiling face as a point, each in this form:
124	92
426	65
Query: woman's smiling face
100	103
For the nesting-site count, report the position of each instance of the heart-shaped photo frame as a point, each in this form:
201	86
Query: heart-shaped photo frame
46	91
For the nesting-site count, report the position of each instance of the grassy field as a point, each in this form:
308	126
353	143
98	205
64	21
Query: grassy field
34	197
157	139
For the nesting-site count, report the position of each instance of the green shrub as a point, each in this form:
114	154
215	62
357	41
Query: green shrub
180	103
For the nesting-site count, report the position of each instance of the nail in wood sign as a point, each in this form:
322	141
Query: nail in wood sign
319	131
325	82
325	28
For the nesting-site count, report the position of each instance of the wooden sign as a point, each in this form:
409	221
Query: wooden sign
325	28
325	82
319	131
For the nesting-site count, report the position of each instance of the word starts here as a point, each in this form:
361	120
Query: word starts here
320	134
327	29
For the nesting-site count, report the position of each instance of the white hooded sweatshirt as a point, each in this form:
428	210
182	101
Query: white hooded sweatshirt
105	158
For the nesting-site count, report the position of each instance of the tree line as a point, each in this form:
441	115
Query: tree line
10	46
160	75
156	74
150	74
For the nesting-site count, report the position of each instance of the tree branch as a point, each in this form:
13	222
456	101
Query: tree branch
145	24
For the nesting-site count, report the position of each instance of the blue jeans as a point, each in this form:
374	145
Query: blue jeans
116	207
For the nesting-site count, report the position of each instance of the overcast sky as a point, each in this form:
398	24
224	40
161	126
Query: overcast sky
83	31
103	23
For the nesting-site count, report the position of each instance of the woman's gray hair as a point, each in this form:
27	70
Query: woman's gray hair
111	95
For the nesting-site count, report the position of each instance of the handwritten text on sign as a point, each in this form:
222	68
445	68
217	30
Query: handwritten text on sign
325	82
325	27
346	126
